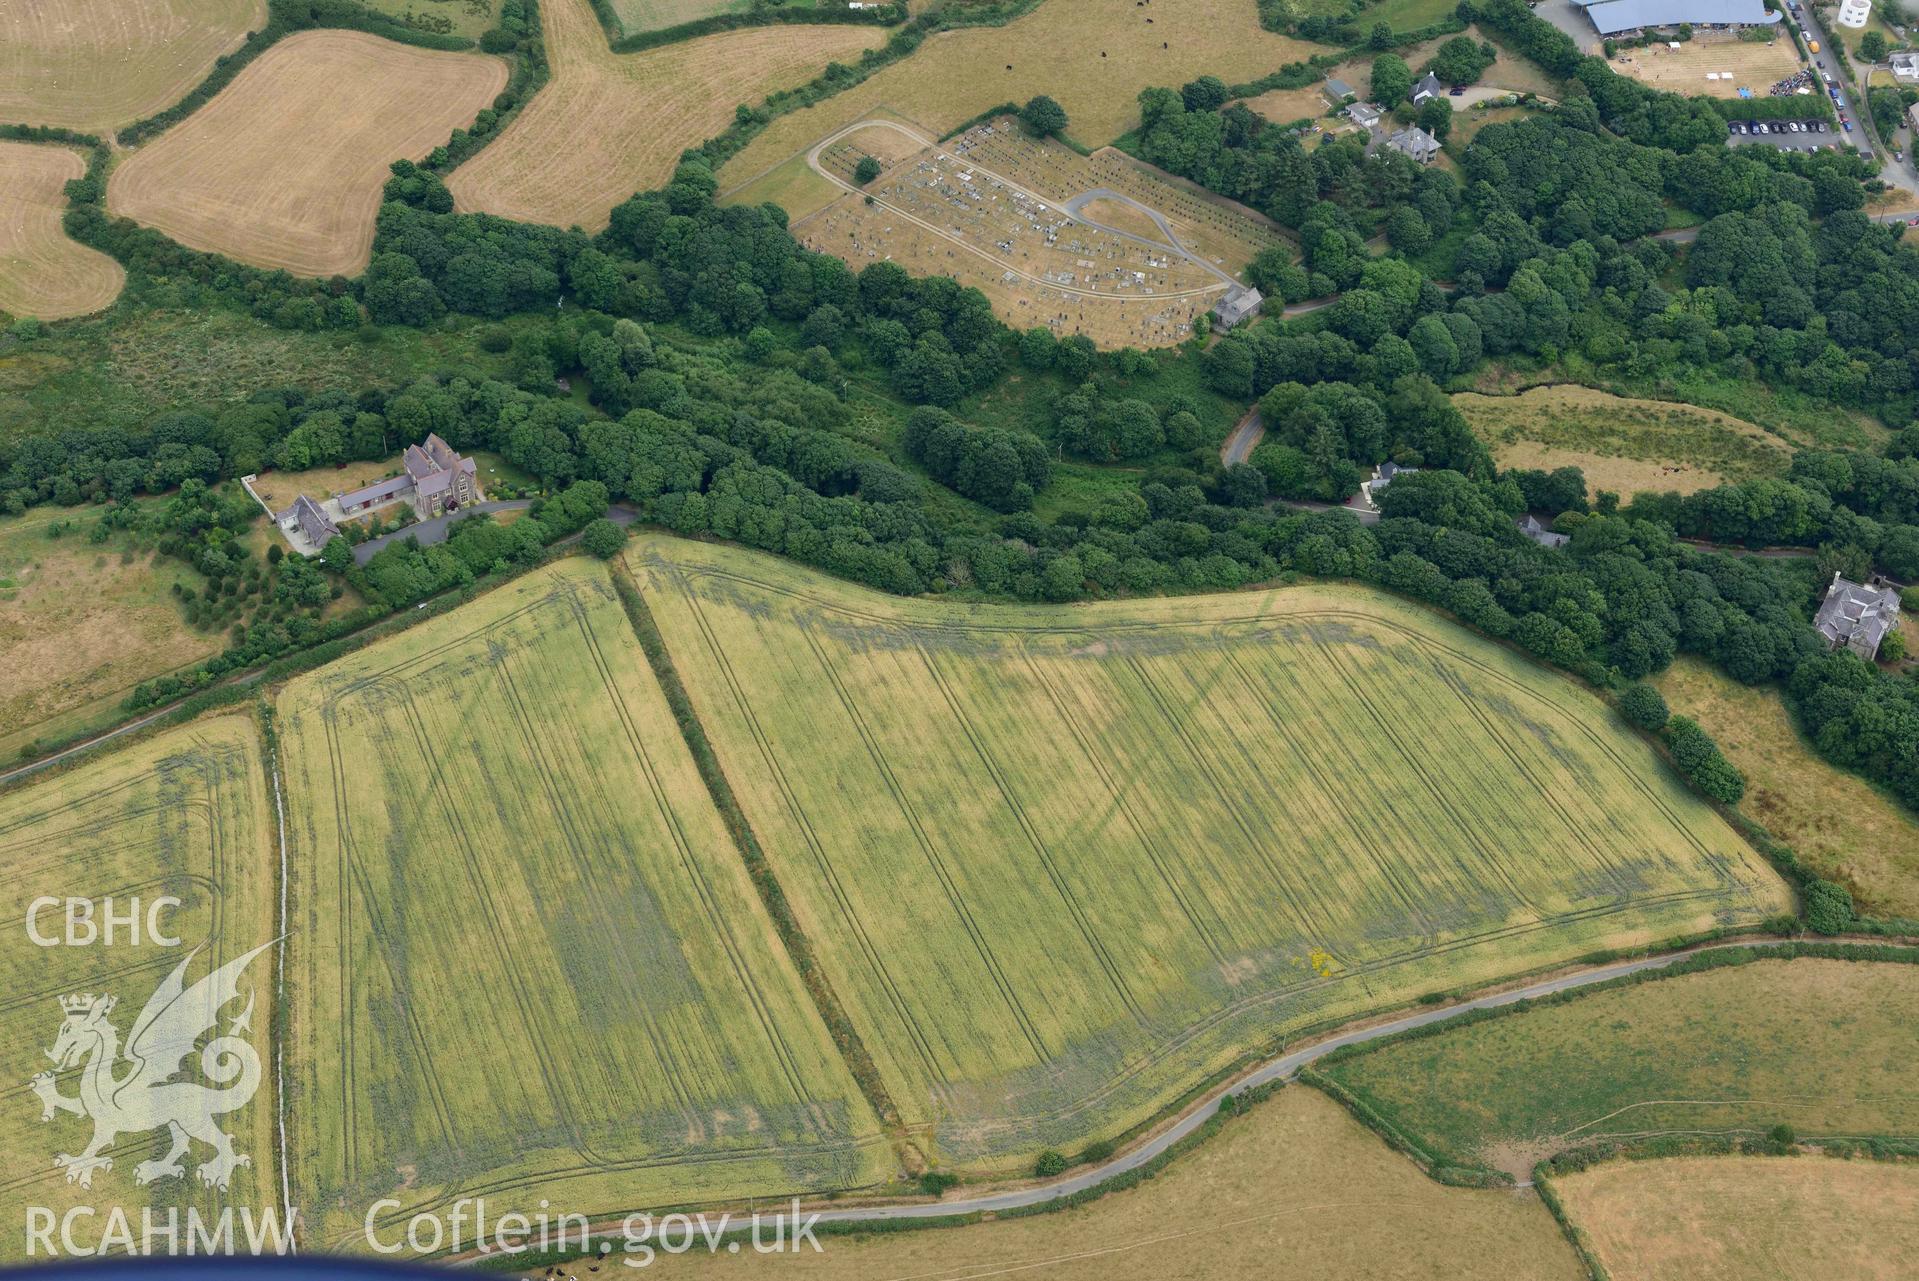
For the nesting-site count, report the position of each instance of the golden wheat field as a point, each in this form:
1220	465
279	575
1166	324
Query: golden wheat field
1093	56
1730	1218
608	125
529	958
97	64
184	813
284	167
1065	864
43	271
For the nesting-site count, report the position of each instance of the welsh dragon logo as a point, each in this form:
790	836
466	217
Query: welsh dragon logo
145	1095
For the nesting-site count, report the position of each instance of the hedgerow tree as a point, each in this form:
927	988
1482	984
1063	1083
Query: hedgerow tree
1642	705
1392	80
1042	116
603	538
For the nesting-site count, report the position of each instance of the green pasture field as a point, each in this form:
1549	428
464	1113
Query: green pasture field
528	958
1064	864
467	18
184	813
1824	1046
651	15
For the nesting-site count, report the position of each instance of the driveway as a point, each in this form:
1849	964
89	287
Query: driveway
429	532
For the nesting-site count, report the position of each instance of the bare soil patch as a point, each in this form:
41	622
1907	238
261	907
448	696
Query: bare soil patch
43	272
284	167
608	125
98	64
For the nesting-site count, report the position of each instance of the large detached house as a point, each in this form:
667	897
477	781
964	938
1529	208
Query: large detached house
436	480
1858	616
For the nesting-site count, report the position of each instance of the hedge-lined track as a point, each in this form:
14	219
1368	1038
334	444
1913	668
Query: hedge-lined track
607	125
531	961
1007	875
95	64
183	813
43	271
283	168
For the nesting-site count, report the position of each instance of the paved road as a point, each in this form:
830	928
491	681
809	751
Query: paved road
1245	438
429	532
1284	1067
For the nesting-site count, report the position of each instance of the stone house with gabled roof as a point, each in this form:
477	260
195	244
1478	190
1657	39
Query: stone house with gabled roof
1857	616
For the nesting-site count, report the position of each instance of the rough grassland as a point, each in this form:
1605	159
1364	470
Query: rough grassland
1734	1218
1093	56
529	959
651	15
1824	1046
43	272
1622	444
1683	70
95	64
1064	864
1834	820
184	813
608	125
1295	1189
284	167
81	625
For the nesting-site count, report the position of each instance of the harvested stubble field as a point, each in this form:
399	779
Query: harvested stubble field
43	271
93	65
1753	66
1715	1051
81	623
1623	444
608	125
284	167
1093	56
529	958
182	813
1296	1188
1736	1218
1064	864
1833	819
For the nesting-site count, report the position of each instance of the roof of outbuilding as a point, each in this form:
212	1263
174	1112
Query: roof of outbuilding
1630	15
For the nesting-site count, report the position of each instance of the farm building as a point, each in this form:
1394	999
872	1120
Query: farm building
1238	305
1415	143
1337	90
1382	477
1428	86
1857	616
1626	17
1531	528
1365	114
436	480
1905	66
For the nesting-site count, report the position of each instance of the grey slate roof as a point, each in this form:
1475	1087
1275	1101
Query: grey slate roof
1364	114
312	521
1427	86
1857	616
1236	306
1337	88
1531	528
1415	142
1610	16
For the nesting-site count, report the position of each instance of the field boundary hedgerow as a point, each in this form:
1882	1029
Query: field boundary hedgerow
890	15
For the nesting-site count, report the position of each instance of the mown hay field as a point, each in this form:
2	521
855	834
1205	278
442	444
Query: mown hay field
284	167
1834	820
93	65
607	125
1822	1045
183	813
43	271
529	960
1623	444
82	623
1093	56
1065	864
1294	1188
1736	1218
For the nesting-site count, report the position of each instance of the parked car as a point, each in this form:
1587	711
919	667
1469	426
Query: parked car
1457	91
1846	125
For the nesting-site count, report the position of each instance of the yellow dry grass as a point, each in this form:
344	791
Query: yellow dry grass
278	489
284	167
1093	56
43	272
1295	1189
97	64
1835	820
80	624
1683	70
1734	1218
608	125
1623	444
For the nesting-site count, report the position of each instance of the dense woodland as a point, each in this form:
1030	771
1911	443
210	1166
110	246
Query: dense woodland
731	377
